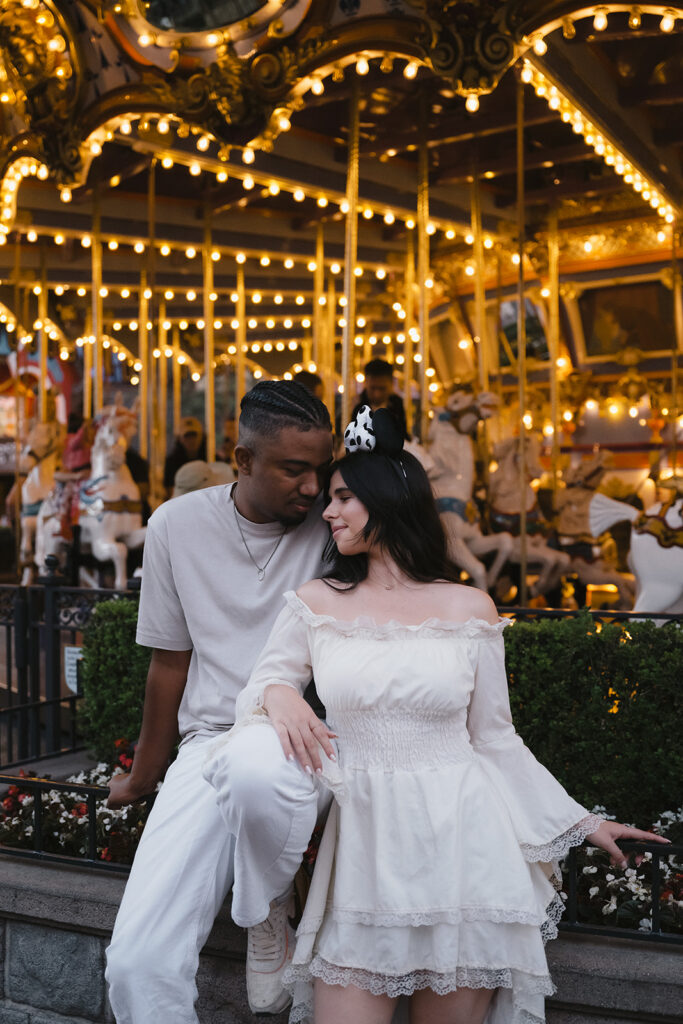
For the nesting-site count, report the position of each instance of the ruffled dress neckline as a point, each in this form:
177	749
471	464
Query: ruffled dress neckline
468	628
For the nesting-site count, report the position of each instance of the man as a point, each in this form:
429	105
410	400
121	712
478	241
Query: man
379	392
190	444
216	564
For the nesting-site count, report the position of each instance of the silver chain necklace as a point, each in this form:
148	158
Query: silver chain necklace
261	569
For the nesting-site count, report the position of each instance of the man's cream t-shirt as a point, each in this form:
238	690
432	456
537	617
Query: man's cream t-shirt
201	590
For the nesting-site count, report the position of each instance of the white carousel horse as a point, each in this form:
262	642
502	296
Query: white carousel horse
109	506
656	554
575	535
452	477
506	506
38	461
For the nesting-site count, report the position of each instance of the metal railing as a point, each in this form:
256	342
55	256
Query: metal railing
37	711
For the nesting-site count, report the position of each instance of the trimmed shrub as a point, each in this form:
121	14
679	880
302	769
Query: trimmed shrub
113	674
601	707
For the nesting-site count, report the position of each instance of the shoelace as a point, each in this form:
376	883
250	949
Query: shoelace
266	945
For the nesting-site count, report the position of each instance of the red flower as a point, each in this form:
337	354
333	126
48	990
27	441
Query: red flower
120	743
8	803
13	791
79	811
105	855
125	760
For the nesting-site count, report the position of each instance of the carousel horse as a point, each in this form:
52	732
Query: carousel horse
506	504
587	560
37	463
109	506
656	553
452	477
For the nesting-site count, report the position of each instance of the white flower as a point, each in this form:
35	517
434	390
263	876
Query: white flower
589	871
645	925
594	890
630	872
609	878
610	907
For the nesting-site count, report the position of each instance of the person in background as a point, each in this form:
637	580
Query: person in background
190	445
379	393
227	447
313	382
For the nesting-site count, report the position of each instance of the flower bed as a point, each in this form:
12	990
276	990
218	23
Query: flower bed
606	895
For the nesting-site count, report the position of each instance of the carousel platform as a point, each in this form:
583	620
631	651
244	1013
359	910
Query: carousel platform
55	923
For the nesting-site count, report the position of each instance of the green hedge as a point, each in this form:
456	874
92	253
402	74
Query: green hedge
113	675
602	709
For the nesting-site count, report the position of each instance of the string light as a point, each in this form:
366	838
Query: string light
472	103
600	19
190	252
248	156
195	168
247	182
411	69
299	195
668	21
112	245
362	66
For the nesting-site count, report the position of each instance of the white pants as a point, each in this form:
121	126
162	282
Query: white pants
186	862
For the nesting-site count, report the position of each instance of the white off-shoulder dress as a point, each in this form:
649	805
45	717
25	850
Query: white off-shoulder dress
435	869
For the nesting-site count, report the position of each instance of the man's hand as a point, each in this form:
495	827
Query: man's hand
300	731
123	791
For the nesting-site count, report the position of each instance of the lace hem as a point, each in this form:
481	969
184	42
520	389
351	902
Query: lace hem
560	845
456	915
431	627
442	983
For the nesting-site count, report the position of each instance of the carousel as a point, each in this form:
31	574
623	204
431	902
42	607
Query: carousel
478	202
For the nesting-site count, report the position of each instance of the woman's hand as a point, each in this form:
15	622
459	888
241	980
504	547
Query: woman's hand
300	731
610	831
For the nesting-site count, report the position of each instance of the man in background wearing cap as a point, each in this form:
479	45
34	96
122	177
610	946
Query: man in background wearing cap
190	445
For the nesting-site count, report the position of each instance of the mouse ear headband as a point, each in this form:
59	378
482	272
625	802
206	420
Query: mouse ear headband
375	432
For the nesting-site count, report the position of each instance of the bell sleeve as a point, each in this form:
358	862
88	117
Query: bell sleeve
547	821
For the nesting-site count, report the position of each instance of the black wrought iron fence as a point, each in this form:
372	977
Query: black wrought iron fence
38	695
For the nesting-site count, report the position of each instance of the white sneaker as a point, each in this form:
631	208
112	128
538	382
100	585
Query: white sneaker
270	947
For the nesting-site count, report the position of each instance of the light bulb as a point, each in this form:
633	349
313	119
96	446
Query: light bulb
265	261
195	169
288	263
380	273
190	252
165	250
86	241
362	66
247	182
389	217
472	103
668	21
540	46
248	155
203	143
221	176
59	239
634	19
139	247
600	19
65	195
31	236
215	255
411	69
322	202
317	87
299	195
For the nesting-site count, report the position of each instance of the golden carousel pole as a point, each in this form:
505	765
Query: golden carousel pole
554	341
87	367
423	273
19	412
319	354
409	305
241	341
521	344
678	342
350	255
330	367
209	393
143	350
44	339
162	400
97	358
480	338
177	402
155	457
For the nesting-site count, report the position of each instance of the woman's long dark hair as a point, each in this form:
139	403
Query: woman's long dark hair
402	518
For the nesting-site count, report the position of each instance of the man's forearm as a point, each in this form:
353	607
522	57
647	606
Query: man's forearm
165	686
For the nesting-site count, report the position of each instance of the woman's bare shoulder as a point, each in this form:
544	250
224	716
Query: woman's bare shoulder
318	595
463	602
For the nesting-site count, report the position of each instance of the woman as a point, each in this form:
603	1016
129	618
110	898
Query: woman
433	877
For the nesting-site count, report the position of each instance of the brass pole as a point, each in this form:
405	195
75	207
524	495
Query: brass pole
319	319
521	343
209	393
44	339
177	401
19	412
96	306
480	339
155	467
241	341
330	361
554	341
144	356
409	322
350	255
678	343
162	401
423	273
87	367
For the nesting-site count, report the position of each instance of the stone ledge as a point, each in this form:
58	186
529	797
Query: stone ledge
600	980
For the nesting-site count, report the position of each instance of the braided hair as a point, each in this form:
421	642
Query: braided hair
274	404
